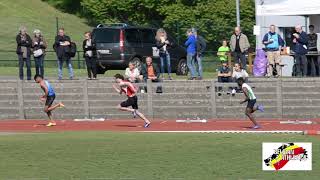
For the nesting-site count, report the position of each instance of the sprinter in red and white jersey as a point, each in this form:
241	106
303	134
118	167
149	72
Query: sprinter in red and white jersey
130	90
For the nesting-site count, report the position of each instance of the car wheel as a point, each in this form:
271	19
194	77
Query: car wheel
137	62
101	69
182	68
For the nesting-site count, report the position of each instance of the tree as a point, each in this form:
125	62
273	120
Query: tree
215	19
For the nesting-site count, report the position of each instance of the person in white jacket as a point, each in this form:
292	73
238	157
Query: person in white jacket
238	72
132	73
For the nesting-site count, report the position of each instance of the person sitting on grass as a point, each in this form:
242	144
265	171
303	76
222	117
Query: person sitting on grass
129	89
224	74
132	73
48	97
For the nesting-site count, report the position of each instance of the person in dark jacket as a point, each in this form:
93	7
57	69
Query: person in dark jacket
201	47
24	44
163	44
151	71
88	52
39	46
312	47
191	44
62	48
300	40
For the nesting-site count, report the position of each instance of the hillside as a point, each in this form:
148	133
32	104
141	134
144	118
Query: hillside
36	14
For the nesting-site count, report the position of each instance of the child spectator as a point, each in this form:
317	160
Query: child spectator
223	51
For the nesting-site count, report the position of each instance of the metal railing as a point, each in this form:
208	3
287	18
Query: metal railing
10	59
211	62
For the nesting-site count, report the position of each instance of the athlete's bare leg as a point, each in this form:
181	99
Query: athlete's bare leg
137	112
48	110
249	113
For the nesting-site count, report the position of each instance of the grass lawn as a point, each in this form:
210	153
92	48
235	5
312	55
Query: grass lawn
140	156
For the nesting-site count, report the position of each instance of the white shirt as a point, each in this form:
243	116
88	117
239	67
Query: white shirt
132	75
243	73
250	92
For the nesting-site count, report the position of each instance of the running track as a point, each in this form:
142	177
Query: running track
157	125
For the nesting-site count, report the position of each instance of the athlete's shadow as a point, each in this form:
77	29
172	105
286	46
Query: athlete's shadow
122	125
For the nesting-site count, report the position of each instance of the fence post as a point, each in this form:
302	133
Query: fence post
86	99
213	100
78	56
279	98
149	102
20	99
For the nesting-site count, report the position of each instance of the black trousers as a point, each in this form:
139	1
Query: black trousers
240	58
223	80
91	67
21	65
301	65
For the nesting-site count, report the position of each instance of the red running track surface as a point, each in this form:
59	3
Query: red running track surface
157	125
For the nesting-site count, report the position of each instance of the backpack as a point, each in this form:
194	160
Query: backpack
73	49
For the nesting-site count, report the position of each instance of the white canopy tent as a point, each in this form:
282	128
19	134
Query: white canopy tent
286	13
287	7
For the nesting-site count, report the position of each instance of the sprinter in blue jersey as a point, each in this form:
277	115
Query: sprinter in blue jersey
48	97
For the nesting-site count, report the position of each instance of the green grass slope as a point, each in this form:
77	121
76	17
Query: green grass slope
36	14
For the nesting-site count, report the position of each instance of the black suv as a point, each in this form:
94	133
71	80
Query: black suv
118	44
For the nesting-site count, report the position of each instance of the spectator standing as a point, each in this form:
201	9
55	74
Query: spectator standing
24	44
132	73
163	44
239	45
39	46
191	52
151	71
300	40
222	51
88	47
201	47
273	43
62	48
312	46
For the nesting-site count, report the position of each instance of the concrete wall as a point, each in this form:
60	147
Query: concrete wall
287	98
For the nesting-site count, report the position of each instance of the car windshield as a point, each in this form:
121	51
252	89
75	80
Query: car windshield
105	35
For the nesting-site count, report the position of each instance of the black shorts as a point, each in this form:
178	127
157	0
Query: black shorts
50	100
131	101
251	103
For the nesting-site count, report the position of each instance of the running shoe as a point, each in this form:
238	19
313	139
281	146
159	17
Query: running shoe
146	125
50	124
256	127
260	108
61	105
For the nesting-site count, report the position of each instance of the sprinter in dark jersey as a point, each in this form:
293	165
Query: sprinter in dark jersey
49	96
129	89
